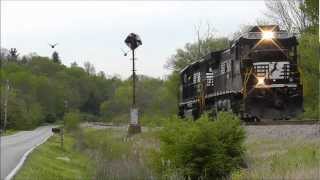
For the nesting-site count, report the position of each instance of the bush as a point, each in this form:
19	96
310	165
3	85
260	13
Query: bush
201	149
72	120
89	117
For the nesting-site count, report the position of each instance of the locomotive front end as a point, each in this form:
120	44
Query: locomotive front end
272	87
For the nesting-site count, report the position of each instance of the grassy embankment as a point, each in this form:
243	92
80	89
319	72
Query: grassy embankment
115	156
119	158
50	162
9	132
281	159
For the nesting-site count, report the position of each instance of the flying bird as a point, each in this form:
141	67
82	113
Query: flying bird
53	45
124	53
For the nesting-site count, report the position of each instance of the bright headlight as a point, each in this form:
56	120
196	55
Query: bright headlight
267	35
260	81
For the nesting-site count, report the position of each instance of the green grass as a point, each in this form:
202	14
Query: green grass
9	132
114	156
118	157
44	162
281	159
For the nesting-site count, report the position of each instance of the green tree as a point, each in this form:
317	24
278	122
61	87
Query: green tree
56	58
190	52
40	87
72	120
309	50
311	9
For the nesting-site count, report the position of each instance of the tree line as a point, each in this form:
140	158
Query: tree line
42	90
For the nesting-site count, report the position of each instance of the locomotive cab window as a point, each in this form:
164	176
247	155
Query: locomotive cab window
185	79
226	67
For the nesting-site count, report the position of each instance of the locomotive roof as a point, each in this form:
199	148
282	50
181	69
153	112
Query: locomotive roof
207	57
255	33
261	28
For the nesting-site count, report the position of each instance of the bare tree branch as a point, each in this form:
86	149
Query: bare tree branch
288	14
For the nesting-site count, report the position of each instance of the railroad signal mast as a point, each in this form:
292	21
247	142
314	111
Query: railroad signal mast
133	41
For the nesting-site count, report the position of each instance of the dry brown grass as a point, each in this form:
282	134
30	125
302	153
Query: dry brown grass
282	152
119	157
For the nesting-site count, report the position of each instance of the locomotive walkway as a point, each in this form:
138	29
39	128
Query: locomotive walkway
14	148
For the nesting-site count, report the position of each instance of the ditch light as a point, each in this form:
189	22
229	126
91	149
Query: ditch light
260	82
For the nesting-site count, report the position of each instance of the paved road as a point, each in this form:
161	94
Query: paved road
14	146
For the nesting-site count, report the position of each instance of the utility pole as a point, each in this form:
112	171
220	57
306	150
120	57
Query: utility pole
7	88
133	41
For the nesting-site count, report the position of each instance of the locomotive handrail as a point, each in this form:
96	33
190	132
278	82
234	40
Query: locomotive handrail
259	35
262	50
247	76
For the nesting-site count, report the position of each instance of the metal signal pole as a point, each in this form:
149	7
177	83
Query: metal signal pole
133	41
133	82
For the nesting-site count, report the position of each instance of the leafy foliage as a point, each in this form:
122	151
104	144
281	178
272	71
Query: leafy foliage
311	9
56	58
309	65
204	148
190	53
154	97
39	87
72	120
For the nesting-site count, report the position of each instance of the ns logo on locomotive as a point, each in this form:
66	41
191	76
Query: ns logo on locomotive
256	78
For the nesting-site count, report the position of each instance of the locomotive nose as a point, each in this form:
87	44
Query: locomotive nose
278	103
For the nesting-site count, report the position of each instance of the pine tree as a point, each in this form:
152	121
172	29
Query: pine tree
56	58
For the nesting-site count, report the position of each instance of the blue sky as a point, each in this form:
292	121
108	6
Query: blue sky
95	31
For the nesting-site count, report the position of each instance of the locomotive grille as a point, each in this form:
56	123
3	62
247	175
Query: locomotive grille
210	79
261	70
286	71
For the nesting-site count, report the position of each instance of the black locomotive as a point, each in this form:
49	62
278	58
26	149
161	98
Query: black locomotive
256	78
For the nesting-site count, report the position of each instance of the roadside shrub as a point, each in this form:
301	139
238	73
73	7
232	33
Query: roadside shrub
72	120
201	149
89	117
